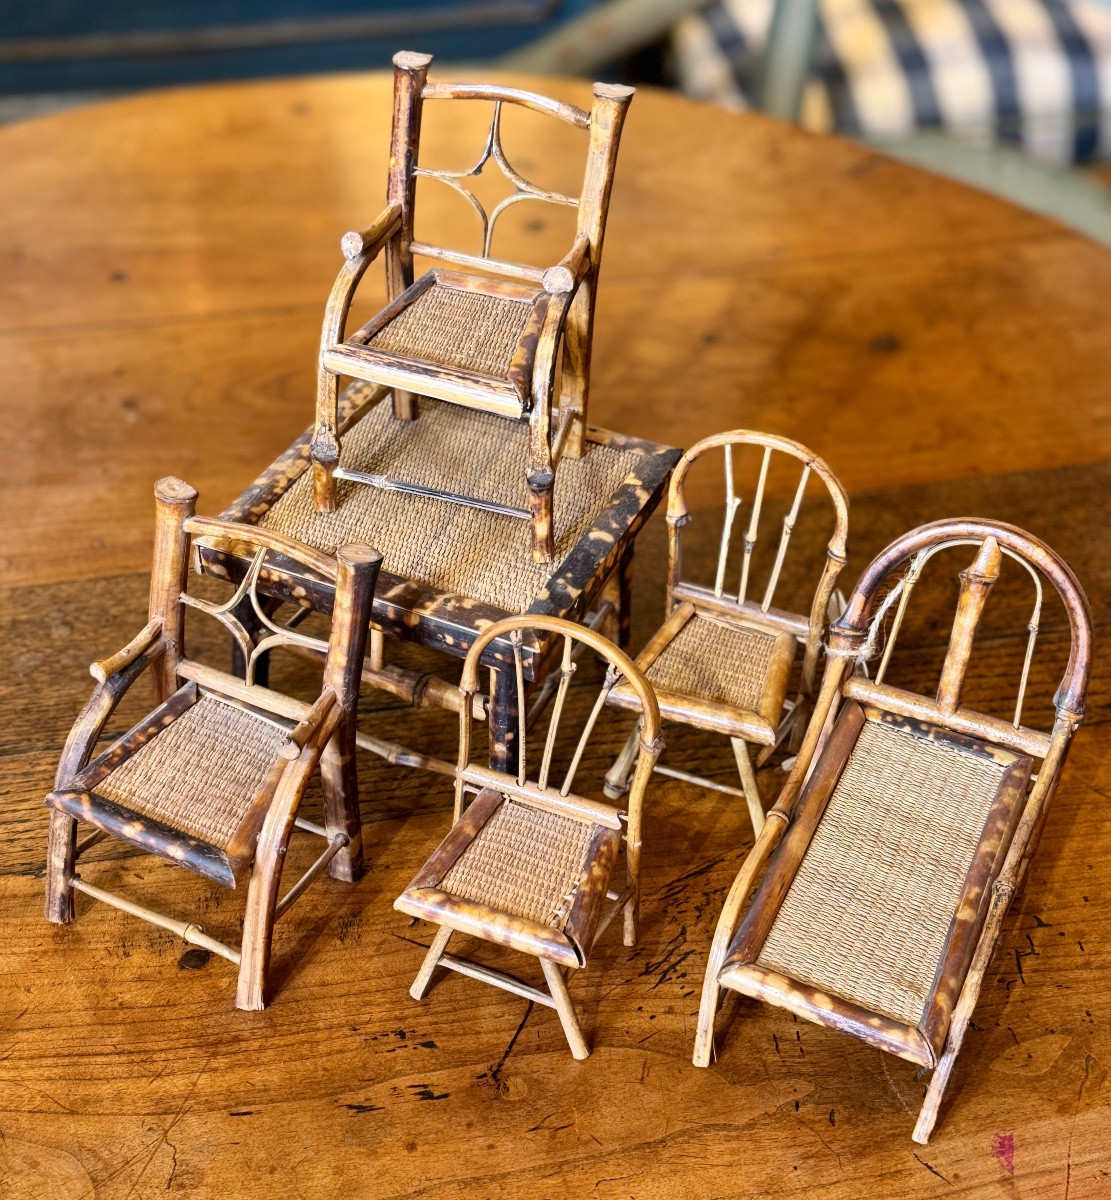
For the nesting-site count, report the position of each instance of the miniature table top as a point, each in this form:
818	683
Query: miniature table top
166	259
449	570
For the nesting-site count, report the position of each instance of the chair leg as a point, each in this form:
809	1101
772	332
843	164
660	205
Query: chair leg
557	985
61	855
617	777
962	1011
340	782
404	405
748	783
258	919
618	590
632	916
541	487
707	1011
431	959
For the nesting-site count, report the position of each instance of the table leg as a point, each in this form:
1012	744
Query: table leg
618	590
502	719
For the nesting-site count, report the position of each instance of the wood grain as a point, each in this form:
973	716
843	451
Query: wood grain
165	263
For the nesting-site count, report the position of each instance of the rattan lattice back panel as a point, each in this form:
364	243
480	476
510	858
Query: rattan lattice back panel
524	861
868	912
715	661
199	774
455	327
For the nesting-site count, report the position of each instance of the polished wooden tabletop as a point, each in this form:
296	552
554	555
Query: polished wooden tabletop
164	262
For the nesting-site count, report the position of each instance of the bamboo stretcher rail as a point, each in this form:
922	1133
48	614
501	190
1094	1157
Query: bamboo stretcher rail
416	489
403	756
501	979
335	845
186	930
975	724
579	807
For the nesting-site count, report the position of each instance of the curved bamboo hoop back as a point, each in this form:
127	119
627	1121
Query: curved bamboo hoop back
678	515
850	635
619	665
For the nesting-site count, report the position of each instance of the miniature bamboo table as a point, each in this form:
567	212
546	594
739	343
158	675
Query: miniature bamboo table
164	261
450	570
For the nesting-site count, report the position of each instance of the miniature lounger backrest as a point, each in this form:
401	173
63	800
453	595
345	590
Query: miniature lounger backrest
933	808
808	628
530	782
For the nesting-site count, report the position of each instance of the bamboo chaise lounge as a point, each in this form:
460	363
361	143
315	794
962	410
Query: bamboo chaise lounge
529	864
502	337
722	660
213	777
905	826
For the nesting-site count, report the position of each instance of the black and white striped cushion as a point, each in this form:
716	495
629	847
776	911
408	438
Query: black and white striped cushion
1030	73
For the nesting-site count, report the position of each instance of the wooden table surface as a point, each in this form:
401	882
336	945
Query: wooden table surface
165	260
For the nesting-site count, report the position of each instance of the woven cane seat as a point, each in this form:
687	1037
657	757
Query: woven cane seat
526	867
454	327
195	780
727	664
464	551
200	773
869	913
717	674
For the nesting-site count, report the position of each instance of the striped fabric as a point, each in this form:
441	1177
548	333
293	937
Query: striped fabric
1035	74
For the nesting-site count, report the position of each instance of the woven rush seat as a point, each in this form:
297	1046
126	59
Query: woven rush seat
525	865
466	551
455	327
200	773
718	674
198	776
868	913
875	880
723	663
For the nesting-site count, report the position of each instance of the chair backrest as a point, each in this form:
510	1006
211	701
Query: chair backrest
855	637
540	790
747	598
353	572
411	89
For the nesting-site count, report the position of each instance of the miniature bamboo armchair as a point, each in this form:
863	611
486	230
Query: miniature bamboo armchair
483	333
213	777
905	826
722	661
528	864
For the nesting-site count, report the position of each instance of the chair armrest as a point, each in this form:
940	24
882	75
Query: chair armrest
372	239
571	269
141	642
359	251
106	695
769	838
757	857
305	732
561	282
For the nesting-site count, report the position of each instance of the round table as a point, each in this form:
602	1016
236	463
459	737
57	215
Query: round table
165	263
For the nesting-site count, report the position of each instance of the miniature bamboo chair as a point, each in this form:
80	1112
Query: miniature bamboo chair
905	826
722	661
487	334
212	779
528	864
